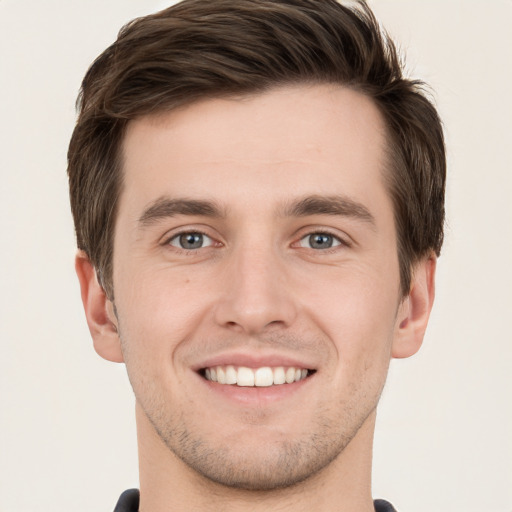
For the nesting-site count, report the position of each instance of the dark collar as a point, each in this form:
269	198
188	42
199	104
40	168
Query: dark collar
129	502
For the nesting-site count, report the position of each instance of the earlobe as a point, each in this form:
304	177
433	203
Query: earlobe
99	311
414	311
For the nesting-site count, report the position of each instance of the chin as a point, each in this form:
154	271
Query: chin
262	470
256	462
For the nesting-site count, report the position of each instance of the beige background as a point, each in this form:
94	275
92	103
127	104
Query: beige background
67	435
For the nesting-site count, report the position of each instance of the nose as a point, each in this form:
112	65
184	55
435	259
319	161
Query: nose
256	292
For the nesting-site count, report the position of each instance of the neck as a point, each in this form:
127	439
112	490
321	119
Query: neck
166	483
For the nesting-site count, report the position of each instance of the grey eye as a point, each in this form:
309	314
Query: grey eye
319	241
191	241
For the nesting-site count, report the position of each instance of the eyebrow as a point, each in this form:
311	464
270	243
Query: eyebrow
165	207
330	205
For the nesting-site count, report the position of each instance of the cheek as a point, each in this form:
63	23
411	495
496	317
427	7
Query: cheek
357	311
159	310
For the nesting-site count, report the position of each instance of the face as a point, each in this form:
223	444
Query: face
256	279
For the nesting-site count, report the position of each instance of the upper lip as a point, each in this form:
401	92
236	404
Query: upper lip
252	360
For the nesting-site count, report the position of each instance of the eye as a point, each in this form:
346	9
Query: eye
190	241
319	241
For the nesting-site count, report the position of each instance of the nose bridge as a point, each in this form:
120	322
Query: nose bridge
255	294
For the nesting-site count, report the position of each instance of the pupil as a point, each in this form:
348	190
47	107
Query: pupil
191	240
320	241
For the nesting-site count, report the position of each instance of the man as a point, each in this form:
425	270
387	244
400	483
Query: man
258	199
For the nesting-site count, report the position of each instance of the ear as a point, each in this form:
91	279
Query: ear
414	311
99	311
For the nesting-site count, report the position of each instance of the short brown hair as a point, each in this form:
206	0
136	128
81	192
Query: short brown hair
196	49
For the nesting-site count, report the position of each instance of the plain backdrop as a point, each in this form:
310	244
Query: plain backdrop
67	433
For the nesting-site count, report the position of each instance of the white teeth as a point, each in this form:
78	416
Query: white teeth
279	375
255	377
245	377
221	375
231	375
263	377
290	375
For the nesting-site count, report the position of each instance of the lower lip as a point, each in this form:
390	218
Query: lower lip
255	395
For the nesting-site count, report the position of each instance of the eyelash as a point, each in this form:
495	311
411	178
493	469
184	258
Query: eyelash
338	241
177	236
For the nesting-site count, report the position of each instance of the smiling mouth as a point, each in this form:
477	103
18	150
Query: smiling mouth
255	377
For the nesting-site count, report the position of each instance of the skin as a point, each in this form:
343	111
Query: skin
257	291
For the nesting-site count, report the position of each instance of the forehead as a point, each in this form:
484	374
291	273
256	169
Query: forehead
301	139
